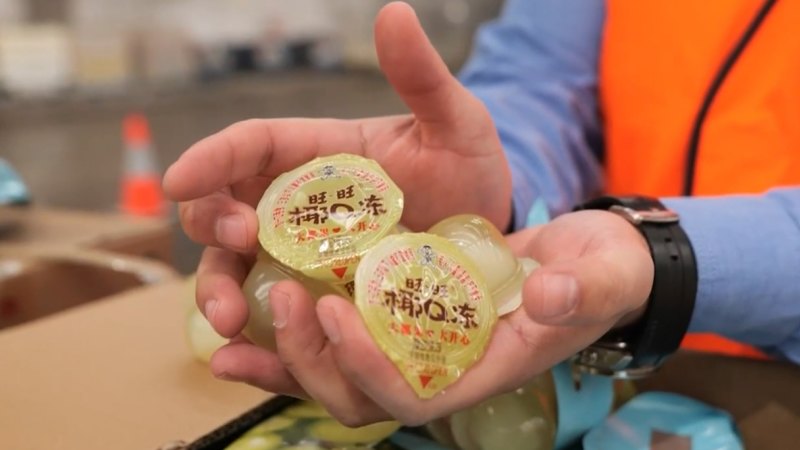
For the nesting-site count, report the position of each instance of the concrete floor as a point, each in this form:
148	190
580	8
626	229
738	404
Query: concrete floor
69	151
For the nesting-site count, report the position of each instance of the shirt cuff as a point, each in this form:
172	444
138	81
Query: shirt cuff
748	251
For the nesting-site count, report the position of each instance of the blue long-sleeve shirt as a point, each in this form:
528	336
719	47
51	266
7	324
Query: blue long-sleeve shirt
535	68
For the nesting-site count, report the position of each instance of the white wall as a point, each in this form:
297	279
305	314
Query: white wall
11	11
246	21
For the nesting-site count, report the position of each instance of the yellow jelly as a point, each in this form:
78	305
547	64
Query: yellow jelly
320	218
524	419
271	425
427	307
307	410
334	432
257	442
482	243
202	339
262	277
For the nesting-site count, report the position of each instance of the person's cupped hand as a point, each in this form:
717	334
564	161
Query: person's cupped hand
447	159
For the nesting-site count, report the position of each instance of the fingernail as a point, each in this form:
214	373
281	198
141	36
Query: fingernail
561	295
330	324
279	302
211	309
231	231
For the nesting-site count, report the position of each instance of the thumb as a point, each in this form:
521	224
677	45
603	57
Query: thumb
415	69
591	289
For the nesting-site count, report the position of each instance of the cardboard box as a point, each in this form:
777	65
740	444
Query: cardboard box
118	374
763	396
111	374
47	227
37	281
52	260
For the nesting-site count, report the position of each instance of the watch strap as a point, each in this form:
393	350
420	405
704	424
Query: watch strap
659	332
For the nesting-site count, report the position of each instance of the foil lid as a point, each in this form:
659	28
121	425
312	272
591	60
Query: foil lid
320	218
427	306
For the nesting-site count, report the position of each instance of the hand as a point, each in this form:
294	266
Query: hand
445	156
596	273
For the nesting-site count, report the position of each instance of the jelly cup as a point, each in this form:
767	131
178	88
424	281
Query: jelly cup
320	218
427	307
482	243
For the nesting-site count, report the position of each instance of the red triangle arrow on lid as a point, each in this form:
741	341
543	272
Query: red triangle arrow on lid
339	271
424	380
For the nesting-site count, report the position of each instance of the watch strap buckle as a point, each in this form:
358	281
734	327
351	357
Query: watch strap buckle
638	217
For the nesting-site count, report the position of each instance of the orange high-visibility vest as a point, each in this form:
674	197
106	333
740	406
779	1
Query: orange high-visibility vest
658	62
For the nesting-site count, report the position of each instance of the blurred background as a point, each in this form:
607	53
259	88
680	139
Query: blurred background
71	71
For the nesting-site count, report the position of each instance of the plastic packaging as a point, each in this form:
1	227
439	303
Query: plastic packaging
203	341
12	189
431	311
476	238
665	420
262	277
427	307
307	425
316	222
321	218
485	246
524	419
542	415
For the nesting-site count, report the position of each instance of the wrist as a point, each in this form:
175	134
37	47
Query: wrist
644	338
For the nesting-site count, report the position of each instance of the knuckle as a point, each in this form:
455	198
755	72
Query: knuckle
186	215
191	220
202	291
207	264
295	351
347	370
285	356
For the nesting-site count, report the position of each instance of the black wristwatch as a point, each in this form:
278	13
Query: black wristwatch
638	349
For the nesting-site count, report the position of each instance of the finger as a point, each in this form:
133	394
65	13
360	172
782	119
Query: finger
356	354
521	241
596	288
218	220
246	363
304	349
418	74
219	294
359	358
256	147
250	190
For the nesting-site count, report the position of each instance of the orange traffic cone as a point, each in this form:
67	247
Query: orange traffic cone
141	193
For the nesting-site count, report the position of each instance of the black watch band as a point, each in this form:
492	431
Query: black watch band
639	348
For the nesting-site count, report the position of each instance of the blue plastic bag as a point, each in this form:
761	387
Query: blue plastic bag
12	189
650	420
